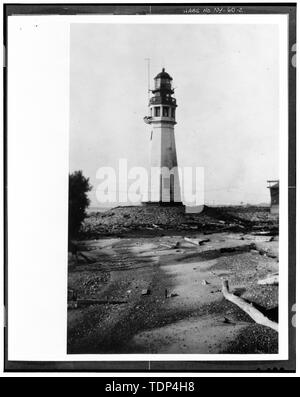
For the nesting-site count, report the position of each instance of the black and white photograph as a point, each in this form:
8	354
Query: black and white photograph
150	187
173	188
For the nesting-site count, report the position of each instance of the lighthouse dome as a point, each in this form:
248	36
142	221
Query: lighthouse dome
163	75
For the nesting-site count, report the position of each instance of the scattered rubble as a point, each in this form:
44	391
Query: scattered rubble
196	242
270	280
238	248
88	302
72	305
249	308
140	259
168	245
72	295
171	295
122	220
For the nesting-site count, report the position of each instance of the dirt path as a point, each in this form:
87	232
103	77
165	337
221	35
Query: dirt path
193	318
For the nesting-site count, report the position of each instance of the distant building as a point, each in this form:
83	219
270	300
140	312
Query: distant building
274	191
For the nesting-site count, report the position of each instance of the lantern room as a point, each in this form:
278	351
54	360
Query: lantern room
163	81
162	104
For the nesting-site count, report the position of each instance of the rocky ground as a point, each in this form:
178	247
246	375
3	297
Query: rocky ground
138	286
123	220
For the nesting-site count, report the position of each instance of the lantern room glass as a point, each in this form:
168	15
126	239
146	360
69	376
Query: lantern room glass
162	83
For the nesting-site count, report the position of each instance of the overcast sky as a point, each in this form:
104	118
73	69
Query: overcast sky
226	79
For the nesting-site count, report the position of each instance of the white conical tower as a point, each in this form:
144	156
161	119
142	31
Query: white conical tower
165	187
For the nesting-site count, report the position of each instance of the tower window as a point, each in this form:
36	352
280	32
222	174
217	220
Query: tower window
166	183
165	111
173	113
157	111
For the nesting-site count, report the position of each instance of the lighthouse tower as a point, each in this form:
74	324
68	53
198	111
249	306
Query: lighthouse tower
165	187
